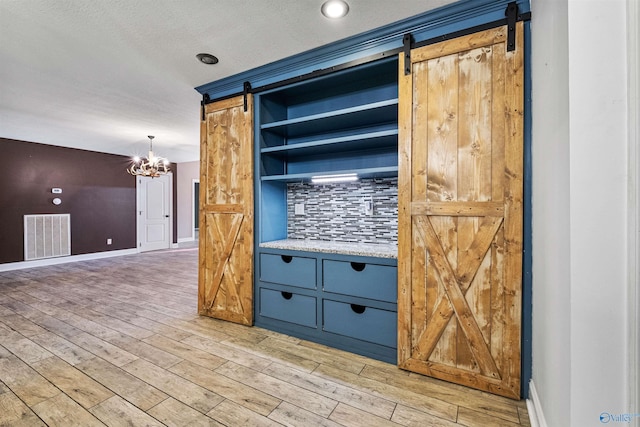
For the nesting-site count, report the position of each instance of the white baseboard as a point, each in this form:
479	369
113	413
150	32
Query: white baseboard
63	260
536	416
185	239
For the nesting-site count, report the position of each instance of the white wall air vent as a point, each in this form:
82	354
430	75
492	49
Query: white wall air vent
47	236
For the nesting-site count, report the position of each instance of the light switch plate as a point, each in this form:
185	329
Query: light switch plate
299	208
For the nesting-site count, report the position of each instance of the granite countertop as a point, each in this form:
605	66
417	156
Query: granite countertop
383	250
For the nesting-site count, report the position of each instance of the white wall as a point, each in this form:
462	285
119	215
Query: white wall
550	209
598	129
187	172
633	56
580	212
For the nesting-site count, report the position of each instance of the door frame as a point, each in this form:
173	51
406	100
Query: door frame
139	222
194	208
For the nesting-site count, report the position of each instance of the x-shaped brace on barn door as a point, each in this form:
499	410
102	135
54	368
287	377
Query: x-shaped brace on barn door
225	246
456	287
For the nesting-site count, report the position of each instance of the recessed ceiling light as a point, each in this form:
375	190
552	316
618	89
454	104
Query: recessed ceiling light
334	9
207	58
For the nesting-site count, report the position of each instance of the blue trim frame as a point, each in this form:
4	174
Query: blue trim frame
526	358
434	23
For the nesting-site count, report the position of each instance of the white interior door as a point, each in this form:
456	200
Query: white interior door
154	212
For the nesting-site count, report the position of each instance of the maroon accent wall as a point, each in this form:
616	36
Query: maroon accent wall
96	191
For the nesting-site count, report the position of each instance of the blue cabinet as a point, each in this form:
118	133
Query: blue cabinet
345	301
288	270
361	322
365	280
288	307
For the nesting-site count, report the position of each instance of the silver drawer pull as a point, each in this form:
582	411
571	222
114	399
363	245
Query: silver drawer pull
358	308
358	266
286	295
286	258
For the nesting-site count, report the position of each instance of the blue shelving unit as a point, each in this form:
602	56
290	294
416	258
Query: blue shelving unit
342	123
346	122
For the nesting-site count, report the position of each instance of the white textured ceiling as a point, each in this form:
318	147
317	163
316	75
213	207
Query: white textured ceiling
103	74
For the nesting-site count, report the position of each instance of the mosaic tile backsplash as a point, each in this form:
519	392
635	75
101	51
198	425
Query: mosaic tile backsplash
338	212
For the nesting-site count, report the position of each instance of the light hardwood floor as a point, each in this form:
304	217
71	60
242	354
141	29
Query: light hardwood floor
118	342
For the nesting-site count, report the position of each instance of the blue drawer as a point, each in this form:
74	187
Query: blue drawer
289	307
288	270
360	322
379	282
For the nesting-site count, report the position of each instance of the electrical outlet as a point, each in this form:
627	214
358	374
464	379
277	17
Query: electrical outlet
109	241
299	208
368	205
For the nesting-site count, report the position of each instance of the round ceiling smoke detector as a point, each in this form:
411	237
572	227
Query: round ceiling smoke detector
207	58
334	9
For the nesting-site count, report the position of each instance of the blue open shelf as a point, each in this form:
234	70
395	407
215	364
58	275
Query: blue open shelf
359	141
377	172
346	118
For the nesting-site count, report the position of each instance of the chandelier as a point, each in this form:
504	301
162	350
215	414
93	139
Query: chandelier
151	166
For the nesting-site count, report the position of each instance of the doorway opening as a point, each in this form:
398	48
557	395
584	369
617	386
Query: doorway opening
195	210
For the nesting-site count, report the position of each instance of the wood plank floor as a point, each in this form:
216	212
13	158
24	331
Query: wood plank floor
104	342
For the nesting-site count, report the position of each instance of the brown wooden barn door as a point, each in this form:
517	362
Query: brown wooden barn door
225	276
460	212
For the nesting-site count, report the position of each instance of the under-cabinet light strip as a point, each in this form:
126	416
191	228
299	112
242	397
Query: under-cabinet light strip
343	177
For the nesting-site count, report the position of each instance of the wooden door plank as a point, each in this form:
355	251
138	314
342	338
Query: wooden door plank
446	347
461	44
475	139
419	162
474	177
442	129
224	208
513	211
498	127
456	208
405	235
441	144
